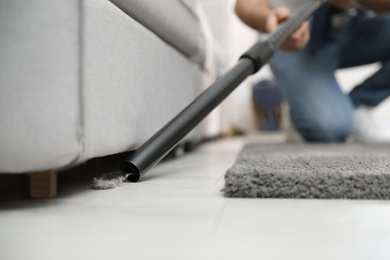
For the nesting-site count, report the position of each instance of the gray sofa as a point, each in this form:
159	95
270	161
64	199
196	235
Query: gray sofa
81	79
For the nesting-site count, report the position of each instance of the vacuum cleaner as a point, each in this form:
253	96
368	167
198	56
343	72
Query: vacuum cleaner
161	143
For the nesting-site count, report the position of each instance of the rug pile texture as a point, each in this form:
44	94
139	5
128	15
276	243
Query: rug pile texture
323	171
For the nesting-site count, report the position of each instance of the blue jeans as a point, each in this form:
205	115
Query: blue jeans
319	109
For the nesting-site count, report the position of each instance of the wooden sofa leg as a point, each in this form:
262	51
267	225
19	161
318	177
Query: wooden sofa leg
43	184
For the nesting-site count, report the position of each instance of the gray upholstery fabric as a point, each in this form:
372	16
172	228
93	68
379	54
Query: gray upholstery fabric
133	81
352	171
39	84
82	79
175	21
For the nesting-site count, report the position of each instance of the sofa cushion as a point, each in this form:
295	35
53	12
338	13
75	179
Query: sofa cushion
133	82
39	84
174	21
82	79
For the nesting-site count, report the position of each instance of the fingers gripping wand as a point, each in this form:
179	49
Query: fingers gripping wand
161	143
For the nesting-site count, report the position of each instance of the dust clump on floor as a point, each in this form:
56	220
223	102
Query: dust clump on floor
108	181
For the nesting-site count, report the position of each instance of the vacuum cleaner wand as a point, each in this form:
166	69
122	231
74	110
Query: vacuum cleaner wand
161	143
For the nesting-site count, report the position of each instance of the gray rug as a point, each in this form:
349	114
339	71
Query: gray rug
323	171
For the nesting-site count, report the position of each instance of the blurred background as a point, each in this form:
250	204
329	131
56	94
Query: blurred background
245	110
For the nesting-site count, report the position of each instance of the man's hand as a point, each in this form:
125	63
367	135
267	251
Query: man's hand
295	41
259	15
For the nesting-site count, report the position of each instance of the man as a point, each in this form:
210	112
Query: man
305	64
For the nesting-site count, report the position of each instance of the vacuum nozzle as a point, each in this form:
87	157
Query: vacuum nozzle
131	171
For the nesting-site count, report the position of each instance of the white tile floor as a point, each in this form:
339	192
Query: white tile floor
178	212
